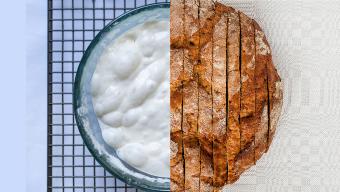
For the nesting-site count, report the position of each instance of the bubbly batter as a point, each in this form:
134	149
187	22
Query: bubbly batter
130	89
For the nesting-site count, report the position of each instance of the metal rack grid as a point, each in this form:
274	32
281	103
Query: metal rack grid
72	24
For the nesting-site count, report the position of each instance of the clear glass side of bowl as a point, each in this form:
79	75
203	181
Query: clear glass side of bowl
82	100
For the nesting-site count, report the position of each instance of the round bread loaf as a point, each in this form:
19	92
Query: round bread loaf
225	95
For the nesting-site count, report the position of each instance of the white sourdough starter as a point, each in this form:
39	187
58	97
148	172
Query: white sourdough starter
130	90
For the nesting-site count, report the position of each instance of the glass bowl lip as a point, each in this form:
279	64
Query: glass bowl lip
76	95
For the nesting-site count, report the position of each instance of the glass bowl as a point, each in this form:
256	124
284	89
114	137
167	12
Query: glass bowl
82	99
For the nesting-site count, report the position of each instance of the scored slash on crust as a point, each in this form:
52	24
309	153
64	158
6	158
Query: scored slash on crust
226	95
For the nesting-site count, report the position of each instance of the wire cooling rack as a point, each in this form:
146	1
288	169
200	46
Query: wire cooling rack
72	24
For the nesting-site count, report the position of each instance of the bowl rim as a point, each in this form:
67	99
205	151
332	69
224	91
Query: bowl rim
76	92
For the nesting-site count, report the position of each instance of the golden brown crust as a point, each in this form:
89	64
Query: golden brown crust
275	97
206	29
231	96
245	158
204	71
233	132
247	78
219	101
190	97
247	113
261	92
247	66
176	69
176	165
206	175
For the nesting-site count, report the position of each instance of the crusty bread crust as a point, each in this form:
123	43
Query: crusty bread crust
234	84
247	67
176	69
275	89
190	97
219	100
261	93
204	71
247	113
226	95
247	80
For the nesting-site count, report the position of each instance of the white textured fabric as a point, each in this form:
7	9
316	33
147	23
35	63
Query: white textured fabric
305	41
